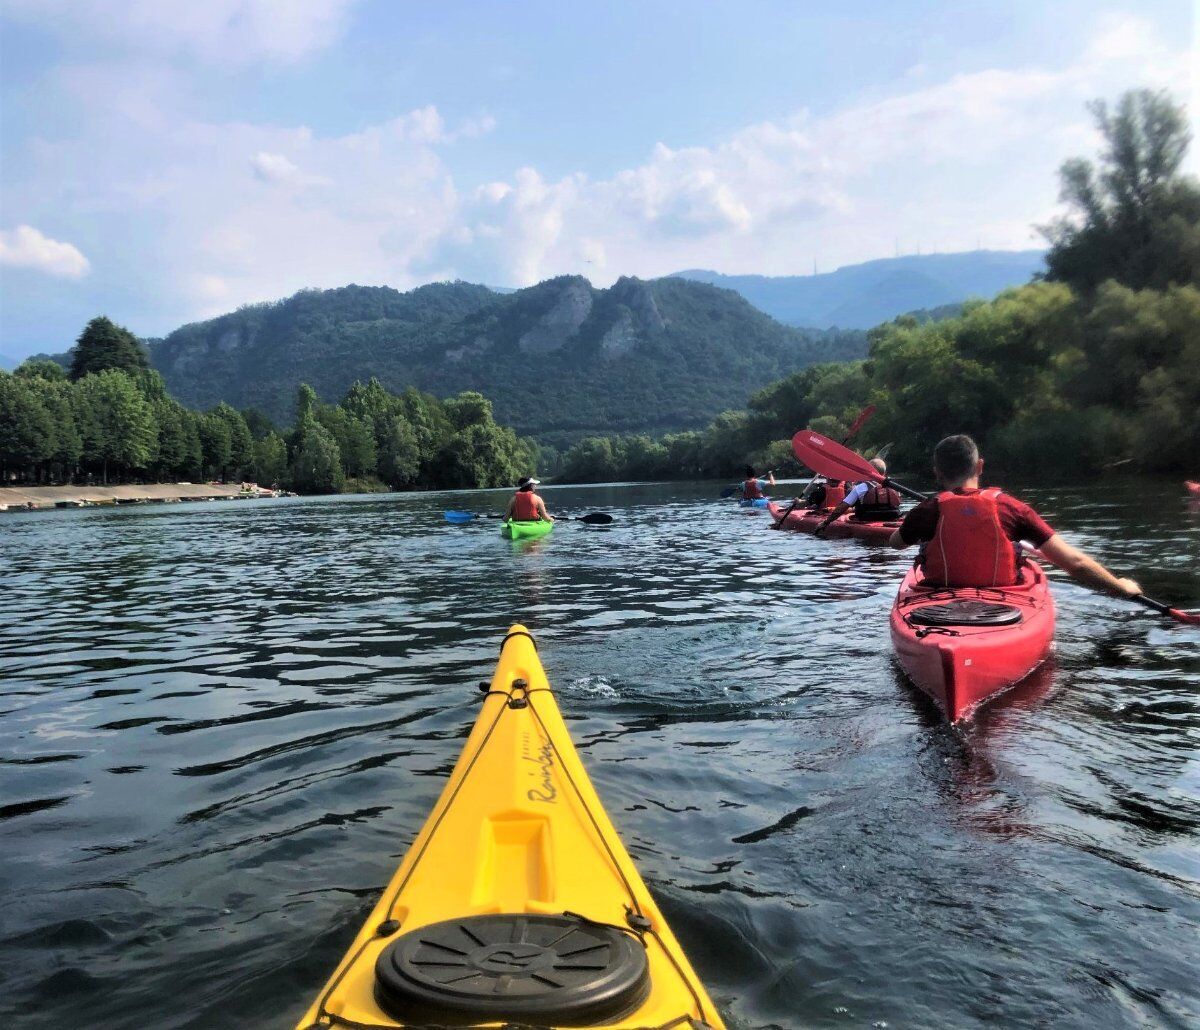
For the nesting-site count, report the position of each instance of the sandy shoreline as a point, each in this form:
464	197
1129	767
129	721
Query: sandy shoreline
27	498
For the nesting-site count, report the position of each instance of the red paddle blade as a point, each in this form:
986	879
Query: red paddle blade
1187	618
831	459
859	422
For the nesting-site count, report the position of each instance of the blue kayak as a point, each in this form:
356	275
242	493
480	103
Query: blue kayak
758	502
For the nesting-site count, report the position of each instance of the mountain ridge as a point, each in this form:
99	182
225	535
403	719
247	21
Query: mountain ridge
559	359
863	295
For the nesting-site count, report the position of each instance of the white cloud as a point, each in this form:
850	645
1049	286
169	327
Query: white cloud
215	31
969	161
25	247
210	215
278	169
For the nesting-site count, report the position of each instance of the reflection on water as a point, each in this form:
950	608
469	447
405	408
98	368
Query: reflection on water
220	727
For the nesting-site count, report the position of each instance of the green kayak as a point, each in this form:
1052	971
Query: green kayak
525	530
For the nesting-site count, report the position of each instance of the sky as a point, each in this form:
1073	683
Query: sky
163	161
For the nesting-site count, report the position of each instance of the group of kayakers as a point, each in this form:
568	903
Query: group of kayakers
968	536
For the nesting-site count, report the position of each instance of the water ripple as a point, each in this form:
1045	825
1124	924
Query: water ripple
221	726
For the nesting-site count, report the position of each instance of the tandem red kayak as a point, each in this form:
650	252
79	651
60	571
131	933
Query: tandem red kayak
964	645
806	520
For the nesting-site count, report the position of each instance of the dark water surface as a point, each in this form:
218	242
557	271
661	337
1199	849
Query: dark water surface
221	725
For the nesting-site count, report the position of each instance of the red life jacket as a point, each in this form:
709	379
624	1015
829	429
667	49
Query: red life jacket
969	547
878	504
525	506
881	497
835	493
751	490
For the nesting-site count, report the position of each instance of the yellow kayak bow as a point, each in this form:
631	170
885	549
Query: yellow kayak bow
517	904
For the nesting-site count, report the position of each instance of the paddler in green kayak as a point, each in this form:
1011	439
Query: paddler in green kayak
971	537
526	506
871	503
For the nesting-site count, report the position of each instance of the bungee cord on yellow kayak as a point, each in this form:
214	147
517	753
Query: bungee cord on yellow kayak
517	902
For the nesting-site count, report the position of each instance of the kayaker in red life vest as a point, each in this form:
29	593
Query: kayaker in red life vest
970	537
526	506
872	503
753	488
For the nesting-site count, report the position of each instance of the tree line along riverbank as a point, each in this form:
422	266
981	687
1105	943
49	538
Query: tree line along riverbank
1095	364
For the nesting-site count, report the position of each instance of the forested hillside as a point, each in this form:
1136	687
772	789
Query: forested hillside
558	360
108	416
1096	366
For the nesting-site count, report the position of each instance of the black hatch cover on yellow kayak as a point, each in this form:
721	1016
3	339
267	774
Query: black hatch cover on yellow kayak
558	970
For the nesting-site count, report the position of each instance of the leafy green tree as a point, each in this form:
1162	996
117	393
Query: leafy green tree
41	368
683	454
241	444
216	445
1133	217
355	439
260	425
178	441
26	428
270	460
372	404
399	454
358	448
306	404
469	409
67	440
151	384
119	427
482	456
428	420
1163	329
640	458
726	443
317	464
105	345
590	461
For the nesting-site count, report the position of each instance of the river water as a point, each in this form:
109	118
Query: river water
221	725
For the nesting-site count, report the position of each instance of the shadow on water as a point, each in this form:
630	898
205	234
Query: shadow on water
221	726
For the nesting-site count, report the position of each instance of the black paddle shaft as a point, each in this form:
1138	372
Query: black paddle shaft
908	491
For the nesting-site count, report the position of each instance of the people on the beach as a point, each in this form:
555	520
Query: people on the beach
527	506
971	537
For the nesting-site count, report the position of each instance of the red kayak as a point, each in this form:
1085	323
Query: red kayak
965	645
1193	487
806	520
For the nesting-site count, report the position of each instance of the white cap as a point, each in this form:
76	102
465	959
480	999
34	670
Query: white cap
525	481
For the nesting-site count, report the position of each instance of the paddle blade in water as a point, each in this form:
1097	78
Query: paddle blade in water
729	491
596	518
830	458
457	517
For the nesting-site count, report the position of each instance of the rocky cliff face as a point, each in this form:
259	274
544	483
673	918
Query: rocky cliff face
562	322
639	355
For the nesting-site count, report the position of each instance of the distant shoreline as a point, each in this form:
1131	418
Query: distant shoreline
41	498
